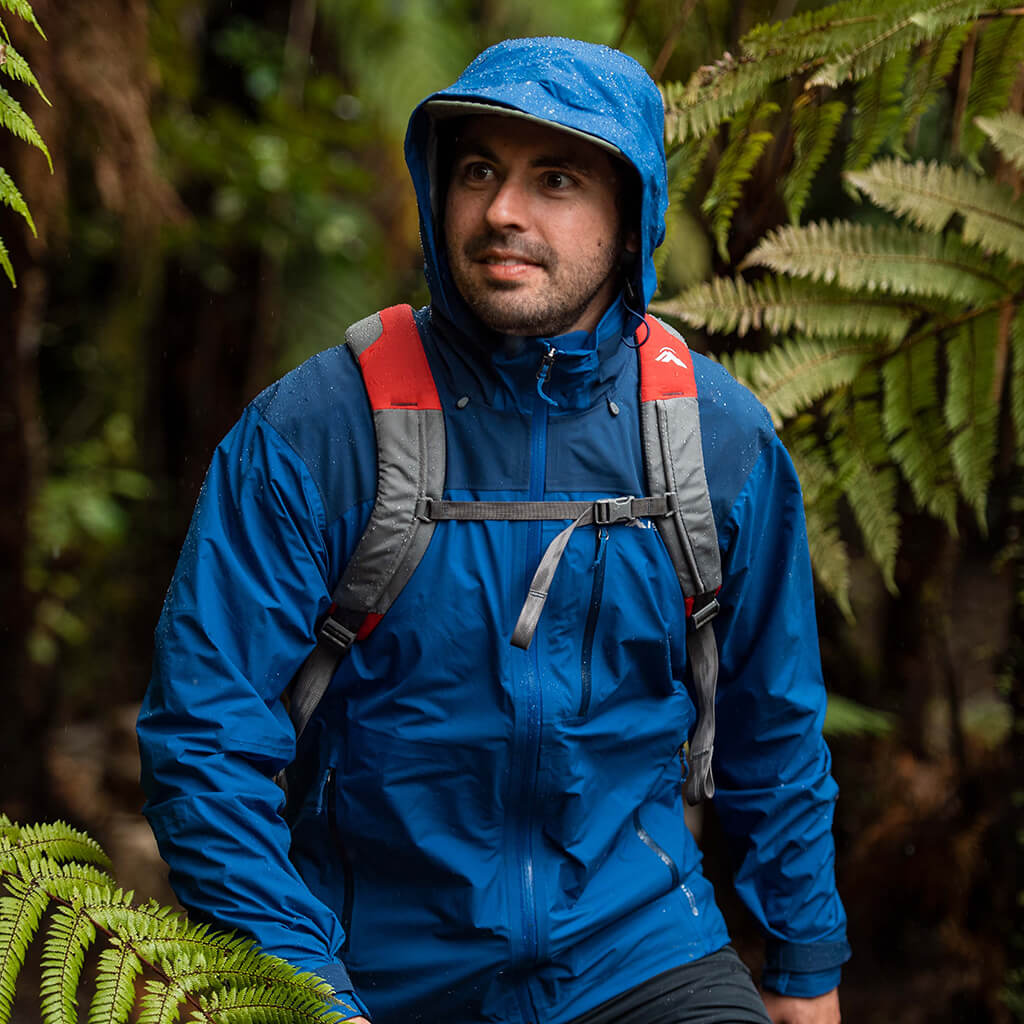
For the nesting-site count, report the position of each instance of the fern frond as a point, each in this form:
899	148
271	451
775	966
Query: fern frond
23	9
114	998
908	25
69	936
885	258
1006	130
826	32
15	66
878	107
814	129
930	194
927	76
16	121
684	165
20	914
868	481
972	410
846	717
793	375
918	439
713	96
747	141
160	1003
997	63
10	196
734	306
56	841
260	1005
5	262
1017	376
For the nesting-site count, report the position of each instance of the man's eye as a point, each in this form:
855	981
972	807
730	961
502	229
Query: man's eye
557	181
477	172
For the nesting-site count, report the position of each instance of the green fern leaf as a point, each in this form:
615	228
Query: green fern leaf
16	121
813	34
736	307
793	375
10	196
5	262
918	439
926	78
69	936
684	165
712	97
16	67
887	258
1006	130
160	1003
908	25
56	841
747	141
846	717
878	107
266	1006
115	984
814	128
1017	378
868	481
23	9
20	914
972	409
930	194
997	64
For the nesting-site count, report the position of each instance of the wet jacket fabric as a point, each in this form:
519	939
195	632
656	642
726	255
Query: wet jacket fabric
481	833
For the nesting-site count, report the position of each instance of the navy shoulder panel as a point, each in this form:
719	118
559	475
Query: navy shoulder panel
321	410
735	430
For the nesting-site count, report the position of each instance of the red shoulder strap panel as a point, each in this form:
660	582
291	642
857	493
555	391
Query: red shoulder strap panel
666	369
395	366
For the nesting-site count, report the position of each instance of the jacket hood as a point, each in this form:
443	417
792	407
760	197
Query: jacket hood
580	87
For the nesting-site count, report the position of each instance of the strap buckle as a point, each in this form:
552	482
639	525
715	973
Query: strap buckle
424	510
335	633
613	510
705	608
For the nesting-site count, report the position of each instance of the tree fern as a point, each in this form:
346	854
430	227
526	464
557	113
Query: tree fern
971	408
927	75
780	305
1006	130
879	115
747	140
931	194
791	376
916	430
997	64
23	9
884	258
814	128
15	66
16	121
215	975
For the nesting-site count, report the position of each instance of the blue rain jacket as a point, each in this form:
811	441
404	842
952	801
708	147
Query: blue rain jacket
481	833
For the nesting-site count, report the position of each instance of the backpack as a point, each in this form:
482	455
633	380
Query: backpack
409	426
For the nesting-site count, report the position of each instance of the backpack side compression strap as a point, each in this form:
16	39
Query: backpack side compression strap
674	461
409	427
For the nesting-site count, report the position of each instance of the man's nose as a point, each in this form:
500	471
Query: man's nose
509	207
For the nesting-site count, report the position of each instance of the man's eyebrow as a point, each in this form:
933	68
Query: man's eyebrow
469	146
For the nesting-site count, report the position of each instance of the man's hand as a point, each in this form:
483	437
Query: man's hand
793	1010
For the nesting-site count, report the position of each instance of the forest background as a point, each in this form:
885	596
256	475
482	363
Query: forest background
228	193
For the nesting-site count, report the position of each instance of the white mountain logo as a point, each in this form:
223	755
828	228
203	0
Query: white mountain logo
668	355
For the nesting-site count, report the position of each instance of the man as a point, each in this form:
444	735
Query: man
479	832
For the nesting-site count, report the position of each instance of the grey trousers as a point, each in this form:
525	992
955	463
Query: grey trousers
716	989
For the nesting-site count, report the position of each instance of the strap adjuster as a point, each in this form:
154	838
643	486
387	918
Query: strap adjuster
335	633
613	510
705	608
424	509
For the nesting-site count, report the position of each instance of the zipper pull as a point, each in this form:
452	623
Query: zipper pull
544	372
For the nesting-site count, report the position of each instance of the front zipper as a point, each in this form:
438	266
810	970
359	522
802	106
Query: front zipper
346	863
648	840
596	593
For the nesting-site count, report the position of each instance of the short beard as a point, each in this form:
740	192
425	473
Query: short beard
495	305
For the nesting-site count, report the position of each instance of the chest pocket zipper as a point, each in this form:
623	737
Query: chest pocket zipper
596	593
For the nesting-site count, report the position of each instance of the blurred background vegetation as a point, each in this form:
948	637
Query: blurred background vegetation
228	193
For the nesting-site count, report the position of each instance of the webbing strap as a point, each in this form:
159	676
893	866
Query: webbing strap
604	511
702	652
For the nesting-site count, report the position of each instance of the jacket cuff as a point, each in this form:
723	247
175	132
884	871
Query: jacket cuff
804	969
347	1001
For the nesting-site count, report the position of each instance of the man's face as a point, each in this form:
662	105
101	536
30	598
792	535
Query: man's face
532	227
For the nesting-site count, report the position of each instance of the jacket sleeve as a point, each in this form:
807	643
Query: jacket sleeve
774	792
237	622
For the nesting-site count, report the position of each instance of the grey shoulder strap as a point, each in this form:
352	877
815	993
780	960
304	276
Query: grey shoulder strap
674	461
409	428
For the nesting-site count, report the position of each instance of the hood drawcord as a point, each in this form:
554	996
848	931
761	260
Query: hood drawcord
629	295
544	373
